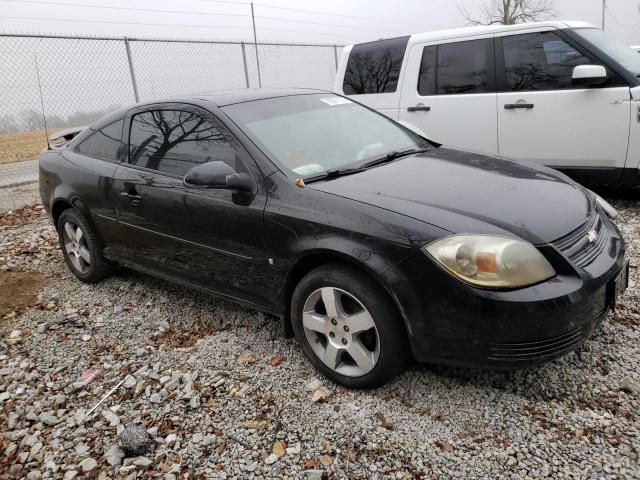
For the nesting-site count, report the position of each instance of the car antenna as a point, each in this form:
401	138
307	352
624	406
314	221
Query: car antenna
44	117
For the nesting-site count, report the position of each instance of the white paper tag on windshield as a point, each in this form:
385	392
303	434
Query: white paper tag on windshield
335	100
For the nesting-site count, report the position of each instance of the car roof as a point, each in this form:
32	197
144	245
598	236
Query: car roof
222	98
490	29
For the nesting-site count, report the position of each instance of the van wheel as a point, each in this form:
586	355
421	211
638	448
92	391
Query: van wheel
80	248
348	327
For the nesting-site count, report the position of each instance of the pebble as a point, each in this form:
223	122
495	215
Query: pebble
88	465
134	439
198	410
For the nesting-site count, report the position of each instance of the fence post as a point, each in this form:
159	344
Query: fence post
244	61
335	55
133	73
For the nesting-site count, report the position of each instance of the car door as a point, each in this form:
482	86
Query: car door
211	238
448	92
542	117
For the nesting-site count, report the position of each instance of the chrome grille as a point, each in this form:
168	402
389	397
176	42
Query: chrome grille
577	246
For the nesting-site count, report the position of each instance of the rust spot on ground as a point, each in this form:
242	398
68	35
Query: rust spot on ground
19	290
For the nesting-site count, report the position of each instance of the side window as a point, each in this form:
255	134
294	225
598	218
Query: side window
539	61
104	143
427	78
374	67
174	141
456	68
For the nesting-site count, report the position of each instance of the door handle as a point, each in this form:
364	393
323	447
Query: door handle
132	197
513	106
419	108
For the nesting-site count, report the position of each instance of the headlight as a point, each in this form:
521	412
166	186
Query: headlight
606	206
491	262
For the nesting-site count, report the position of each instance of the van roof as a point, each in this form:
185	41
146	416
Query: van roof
488	29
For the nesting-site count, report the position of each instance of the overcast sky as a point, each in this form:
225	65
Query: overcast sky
329	21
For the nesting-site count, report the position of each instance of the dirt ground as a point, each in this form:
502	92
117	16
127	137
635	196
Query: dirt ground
19	290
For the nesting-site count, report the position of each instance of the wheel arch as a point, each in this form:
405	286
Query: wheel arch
311	260
59	205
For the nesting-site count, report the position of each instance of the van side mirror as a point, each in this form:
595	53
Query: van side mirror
218	175
589	76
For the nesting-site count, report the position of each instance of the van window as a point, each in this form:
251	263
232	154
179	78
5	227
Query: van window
456	68
374	67
539	61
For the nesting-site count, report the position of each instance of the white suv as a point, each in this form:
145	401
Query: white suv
560	93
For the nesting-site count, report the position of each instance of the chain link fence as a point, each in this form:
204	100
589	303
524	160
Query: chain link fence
54	82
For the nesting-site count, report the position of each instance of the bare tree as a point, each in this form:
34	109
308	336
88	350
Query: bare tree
510	12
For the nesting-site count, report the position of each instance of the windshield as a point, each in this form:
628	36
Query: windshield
621	53
310	135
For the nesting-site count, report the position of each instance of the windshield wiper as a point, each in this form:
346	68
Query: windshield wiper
391	156
333	173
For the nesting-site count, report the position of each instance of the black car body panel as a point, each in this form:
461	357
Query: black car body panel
479	194
253	248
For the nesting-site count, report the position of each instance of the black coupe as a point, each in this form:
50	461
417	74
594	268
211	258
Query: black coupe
372	244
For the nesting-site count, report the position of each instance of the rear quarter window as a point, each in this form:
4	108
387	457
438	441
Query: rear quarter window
104	143
374	67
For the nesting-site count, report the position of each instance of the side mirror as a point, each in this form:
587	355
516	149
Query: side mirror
218	175
589	76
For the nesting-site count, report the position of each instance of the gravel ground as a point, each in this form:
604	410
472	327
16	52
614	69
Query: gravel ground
16	197
211	391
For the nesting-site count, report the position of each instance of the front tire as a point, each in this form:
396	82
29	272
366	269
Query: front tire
348	327
80	248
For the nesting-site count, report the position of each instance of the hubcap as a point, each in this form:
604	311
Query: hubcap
341	331
75	245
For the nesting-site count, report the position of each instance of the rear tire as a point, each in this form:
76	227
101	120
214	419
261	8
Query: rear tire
80	248
348	327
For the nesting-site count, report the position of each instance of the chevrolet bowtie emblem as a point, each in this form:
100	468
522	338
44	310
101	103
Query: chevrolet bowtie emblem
592	236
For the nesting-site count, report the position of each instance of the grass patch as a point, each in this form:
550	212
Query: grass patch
21	146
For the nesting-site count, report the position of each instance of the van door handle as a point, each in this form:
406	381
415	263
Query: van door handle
419	108
513	106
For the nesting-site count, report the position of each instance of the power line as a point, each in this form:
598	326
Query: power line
84	5
184	12
316	23
212	27
316	12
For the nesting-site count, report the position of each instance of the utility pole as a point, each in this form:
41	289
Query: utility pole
604	7
255	43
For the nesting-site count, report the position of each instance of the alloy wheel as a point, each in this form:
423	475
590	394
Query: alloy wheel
75	244
341	331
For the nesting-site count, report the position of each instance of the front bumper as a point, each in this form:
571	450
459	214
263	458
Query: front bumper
452	323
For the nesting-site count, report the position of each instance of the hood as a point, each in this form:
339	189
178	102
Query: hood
468	193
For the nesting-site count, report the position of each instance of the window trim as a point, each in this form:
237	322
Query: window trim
616	81
175	106
492	81
94	131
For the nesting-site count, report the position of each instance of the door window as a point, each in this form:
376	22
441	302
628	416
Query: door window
456	68
174	141
540	61
374	67
104	143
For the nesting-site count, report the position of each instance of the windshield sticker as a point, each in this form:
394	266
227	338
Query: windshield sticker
335	100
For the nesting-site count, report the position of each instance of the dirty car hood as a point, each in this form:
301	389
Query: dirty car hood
470	193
